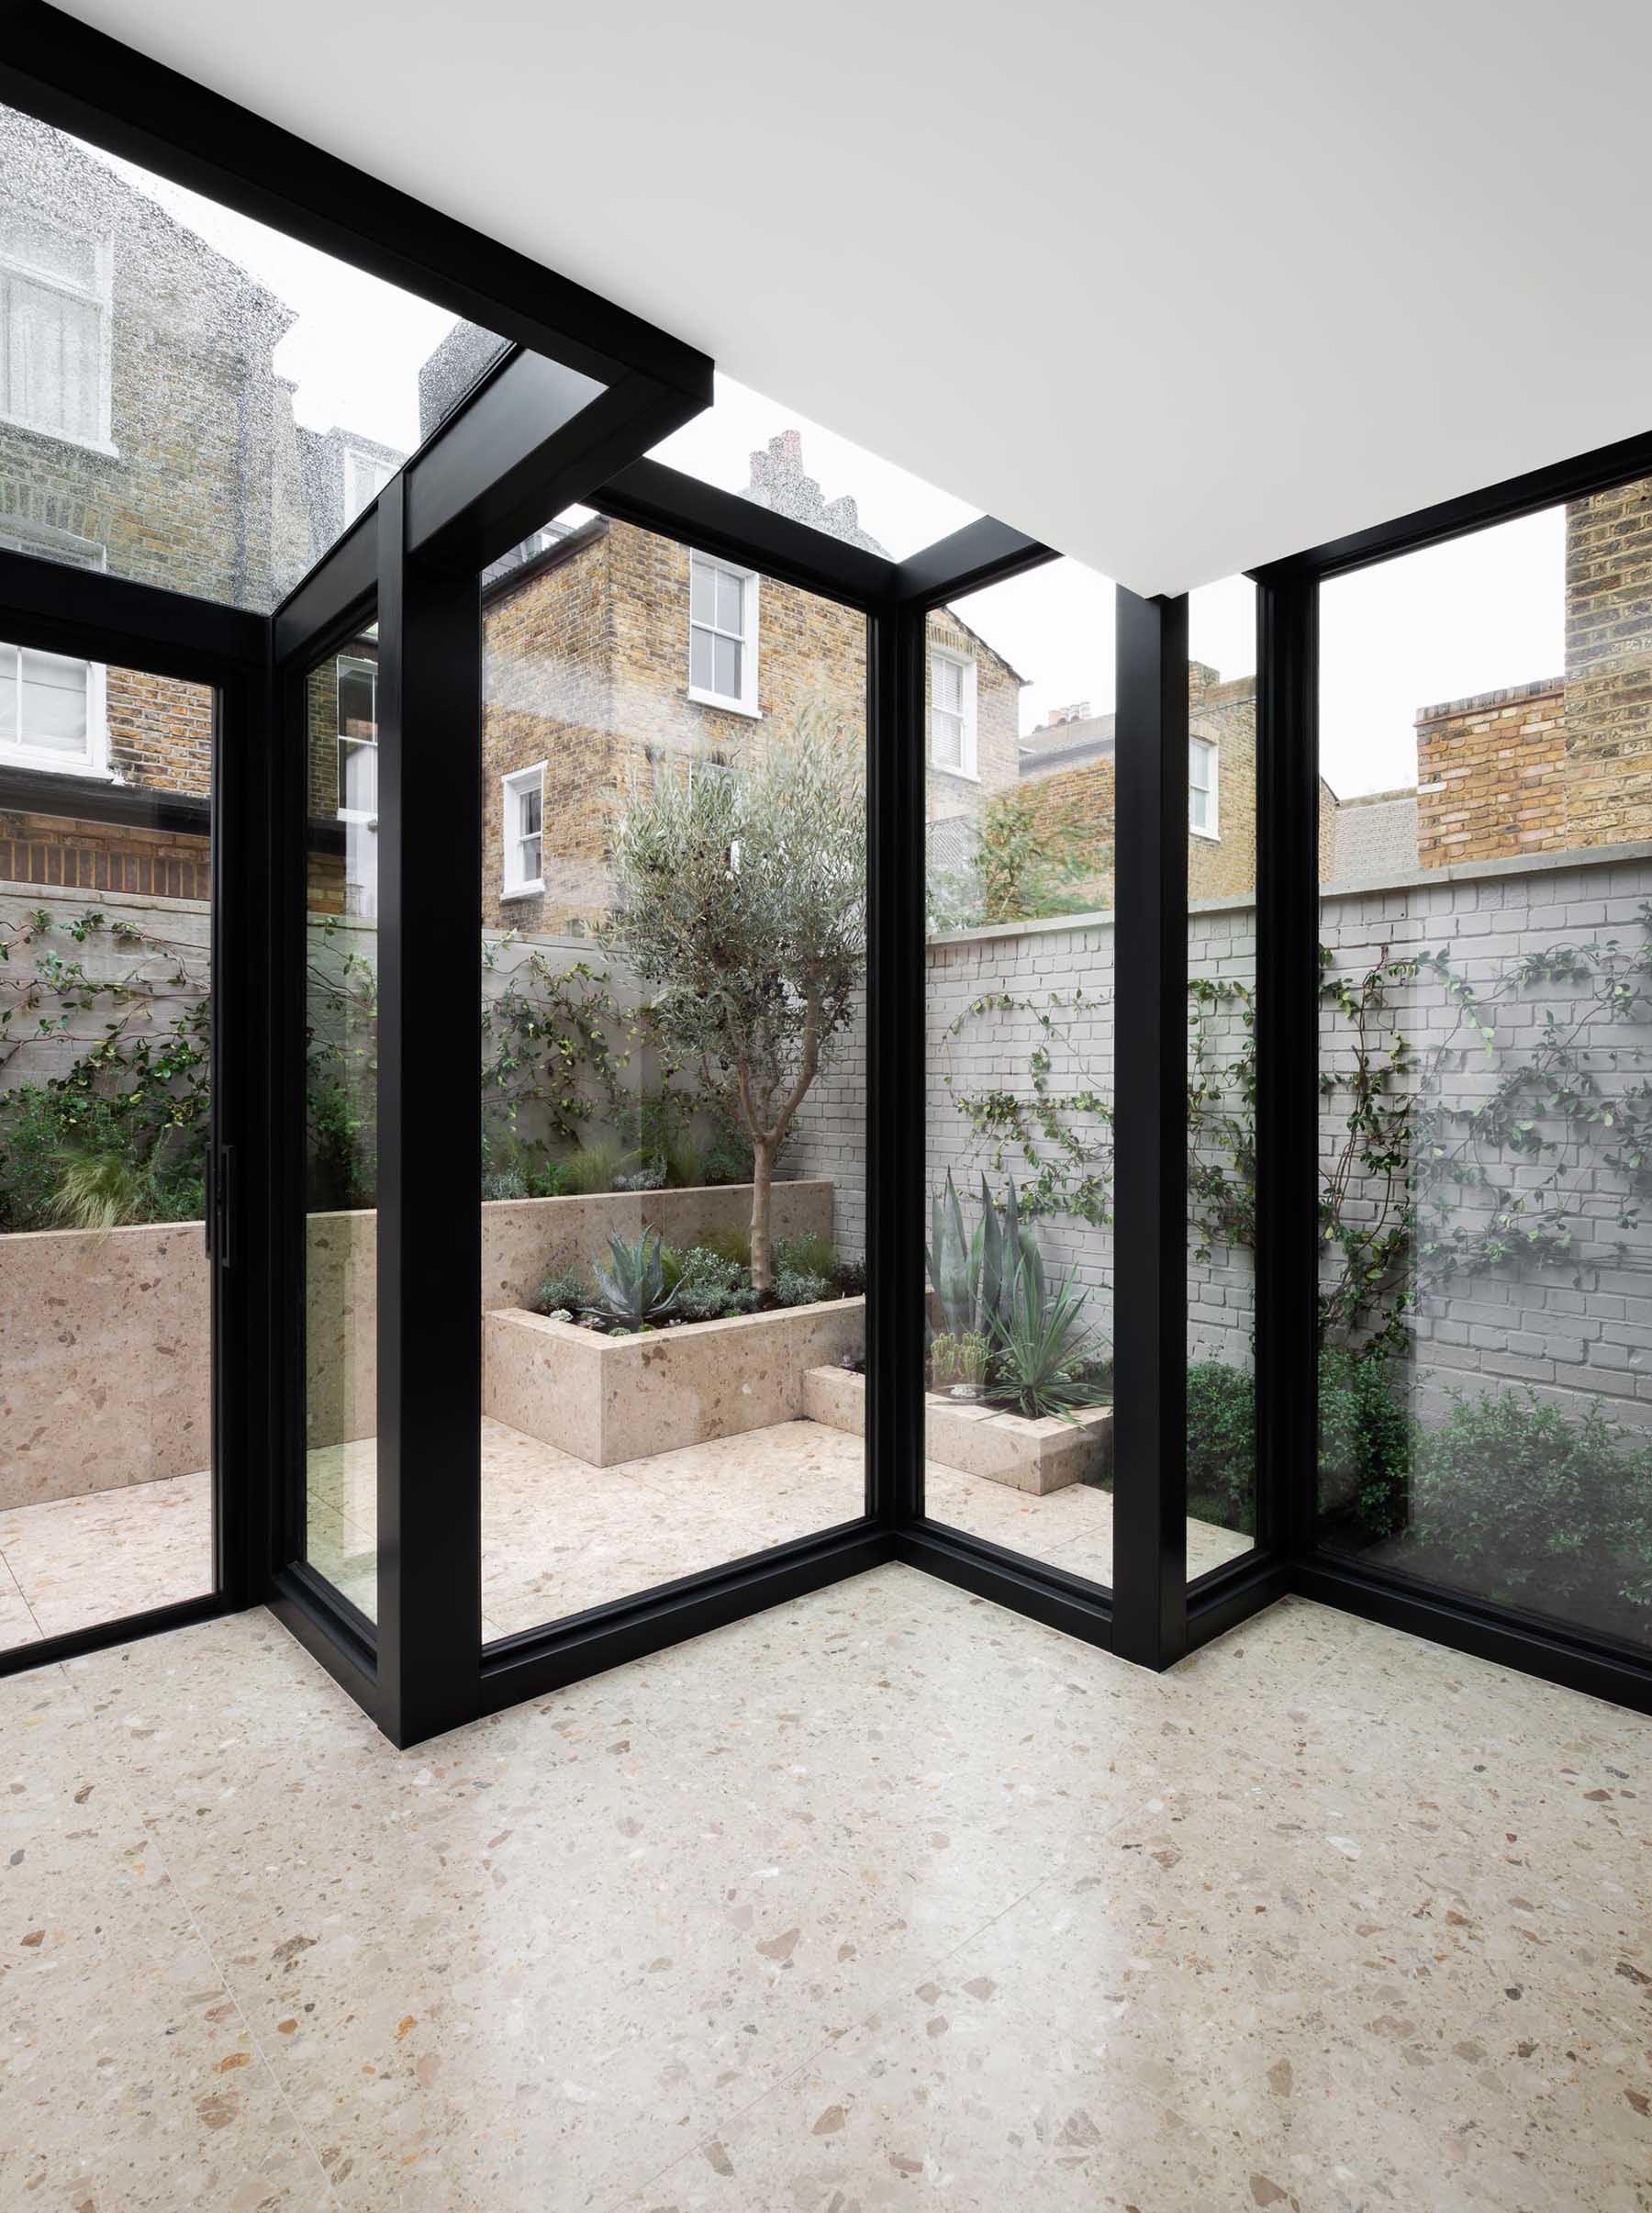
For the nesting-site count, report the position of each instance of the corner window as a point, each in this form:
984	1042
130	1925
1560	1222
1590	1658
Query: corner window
358	740
1204	758
51	713
723	634
953	713
524	832
54	312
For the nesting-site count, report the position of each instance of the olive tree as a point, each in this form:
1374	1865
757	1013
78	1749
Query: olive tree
741	901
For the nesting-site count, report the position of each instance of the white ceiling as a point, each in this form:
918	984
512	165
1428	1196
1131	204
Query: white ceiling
1179	289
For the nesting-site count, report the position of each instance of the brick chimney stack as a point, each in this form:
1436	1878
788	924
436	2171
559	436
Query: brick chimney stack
1078	712
781	483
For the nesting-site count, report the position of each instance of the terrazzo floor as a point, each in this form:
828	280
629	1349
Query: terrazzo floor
884	1898
557	1534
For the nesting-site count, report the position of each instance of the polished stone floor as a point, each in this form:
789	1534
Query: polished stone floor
883	1898
557	1534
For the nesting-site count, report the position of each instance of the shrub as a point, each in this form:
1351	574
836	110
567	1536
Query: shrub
728	1161
1366	1440
650	1176
565	1289
852	1279
594	1168
1531	1509
731	1245
505	1183
807	1256
794	1287
31	1135
711	1284
1221	1446
546	1180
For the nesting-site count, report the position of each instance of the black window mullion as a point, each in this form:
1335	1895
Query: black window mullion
1150	1257
429	1227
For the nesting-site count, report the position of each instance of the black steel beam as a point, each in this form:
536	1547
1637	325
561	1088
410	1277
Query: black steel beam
983	551
1578	478
55	607
532	440
88	83
1150	1112
679	506
333	601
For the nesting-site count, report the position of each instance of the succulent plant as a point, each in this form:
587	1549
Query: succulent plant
975	1274
633	1290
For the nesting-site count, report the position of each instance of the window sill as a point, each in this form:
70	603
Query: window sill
958	775
523	891
1210	837
728	707
100	446
54	764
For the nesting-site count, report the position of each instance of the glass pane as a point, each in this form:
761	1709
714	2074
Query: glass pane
8	693
212	376
948	735
48	246
770	453
1020	990
530	811
105	1308
1222	1076
358	703
730	598
54	702
725	665
702	591
357	771
54	369
700	672
1486	716
673	1336
342	1125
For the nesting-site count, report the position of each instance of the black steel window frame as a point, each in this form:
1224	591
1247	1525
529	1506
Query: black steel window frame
568	418
125	625
1288	1055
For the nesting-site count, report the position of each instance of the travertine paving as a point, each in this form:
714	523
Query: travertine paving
883	1898
557	1534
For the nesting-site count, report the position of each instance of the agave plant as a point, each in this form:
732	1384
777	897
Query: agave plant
633	1289
975	1274
1040	1347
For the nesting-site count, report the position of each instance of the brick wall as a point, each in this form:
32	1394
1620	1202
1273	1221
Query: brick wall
198	488
1491	776
159	732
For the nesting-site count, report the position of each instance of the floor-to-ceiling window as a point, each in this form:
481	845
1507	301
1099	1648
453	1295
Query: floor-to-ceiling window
673	1061
105	1111
1485	1276
1019	751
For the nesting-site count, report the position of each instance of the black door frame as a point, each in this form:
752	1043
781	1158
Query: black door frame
567	414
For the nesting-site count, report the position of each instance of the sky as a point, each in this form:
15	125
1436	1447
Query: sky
1475	615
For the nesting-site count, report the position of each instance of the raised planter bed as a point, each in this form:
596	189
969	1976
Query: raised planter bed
1037	1457
610	1399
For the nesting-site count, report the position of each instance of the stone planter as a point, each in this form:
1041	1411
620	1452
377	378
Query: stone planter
1038	1456
611	1399
105	1368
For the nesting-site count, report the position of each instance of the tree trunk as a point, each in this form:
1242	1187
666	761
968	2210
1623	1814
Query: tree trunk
762	1177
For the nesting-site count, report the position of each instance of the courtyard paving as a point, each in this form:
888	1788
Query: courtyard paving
558	1535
